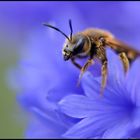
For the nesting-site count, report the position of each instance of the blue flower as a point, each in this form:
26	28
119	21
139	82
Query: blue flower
48	83
116	114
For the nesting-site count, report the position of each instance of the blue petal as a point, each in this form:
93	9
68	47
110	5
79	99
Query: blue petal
97	115
115	78
121	130
81	106
76	106
51	120
133	82
115	69
83	129
54	118
35	98
136	118
56	94
135	133
91	85
125	127
94	126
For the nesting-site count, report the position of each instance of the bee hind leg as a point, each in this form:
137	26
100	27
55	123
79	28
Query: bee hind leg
104	76
84	68
125	61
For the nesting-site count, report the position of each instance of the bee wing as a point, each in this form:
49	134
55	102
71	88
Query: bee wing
119	47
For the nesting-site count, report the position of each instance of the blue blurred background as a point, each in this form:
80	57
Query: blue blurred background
20	20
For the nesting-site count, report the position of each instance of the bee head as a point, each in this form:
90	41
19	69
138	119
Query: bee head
73	45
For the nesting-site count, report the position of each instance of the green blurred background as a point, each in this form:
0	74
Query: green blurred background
10	126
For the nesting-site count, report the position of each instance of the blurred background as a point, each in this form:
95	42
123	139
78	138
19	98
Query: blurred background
20	20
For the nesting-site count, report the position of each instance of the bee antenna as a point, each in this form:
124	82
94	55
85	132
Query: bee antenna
45	24
71	30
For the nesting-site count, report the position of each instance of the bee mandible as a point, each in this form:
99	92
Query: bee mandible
92	43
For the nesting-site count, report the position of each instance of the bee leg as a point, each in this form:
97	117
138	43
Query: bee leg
75	63
104	76
125	61
84	68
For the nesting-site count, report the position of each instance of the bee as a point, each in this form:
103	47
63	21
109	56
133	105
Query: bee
92	43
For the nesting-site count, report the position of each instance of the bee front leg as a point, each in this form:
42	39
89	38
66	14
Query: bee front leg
104	76
75	63
84	68
125	61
